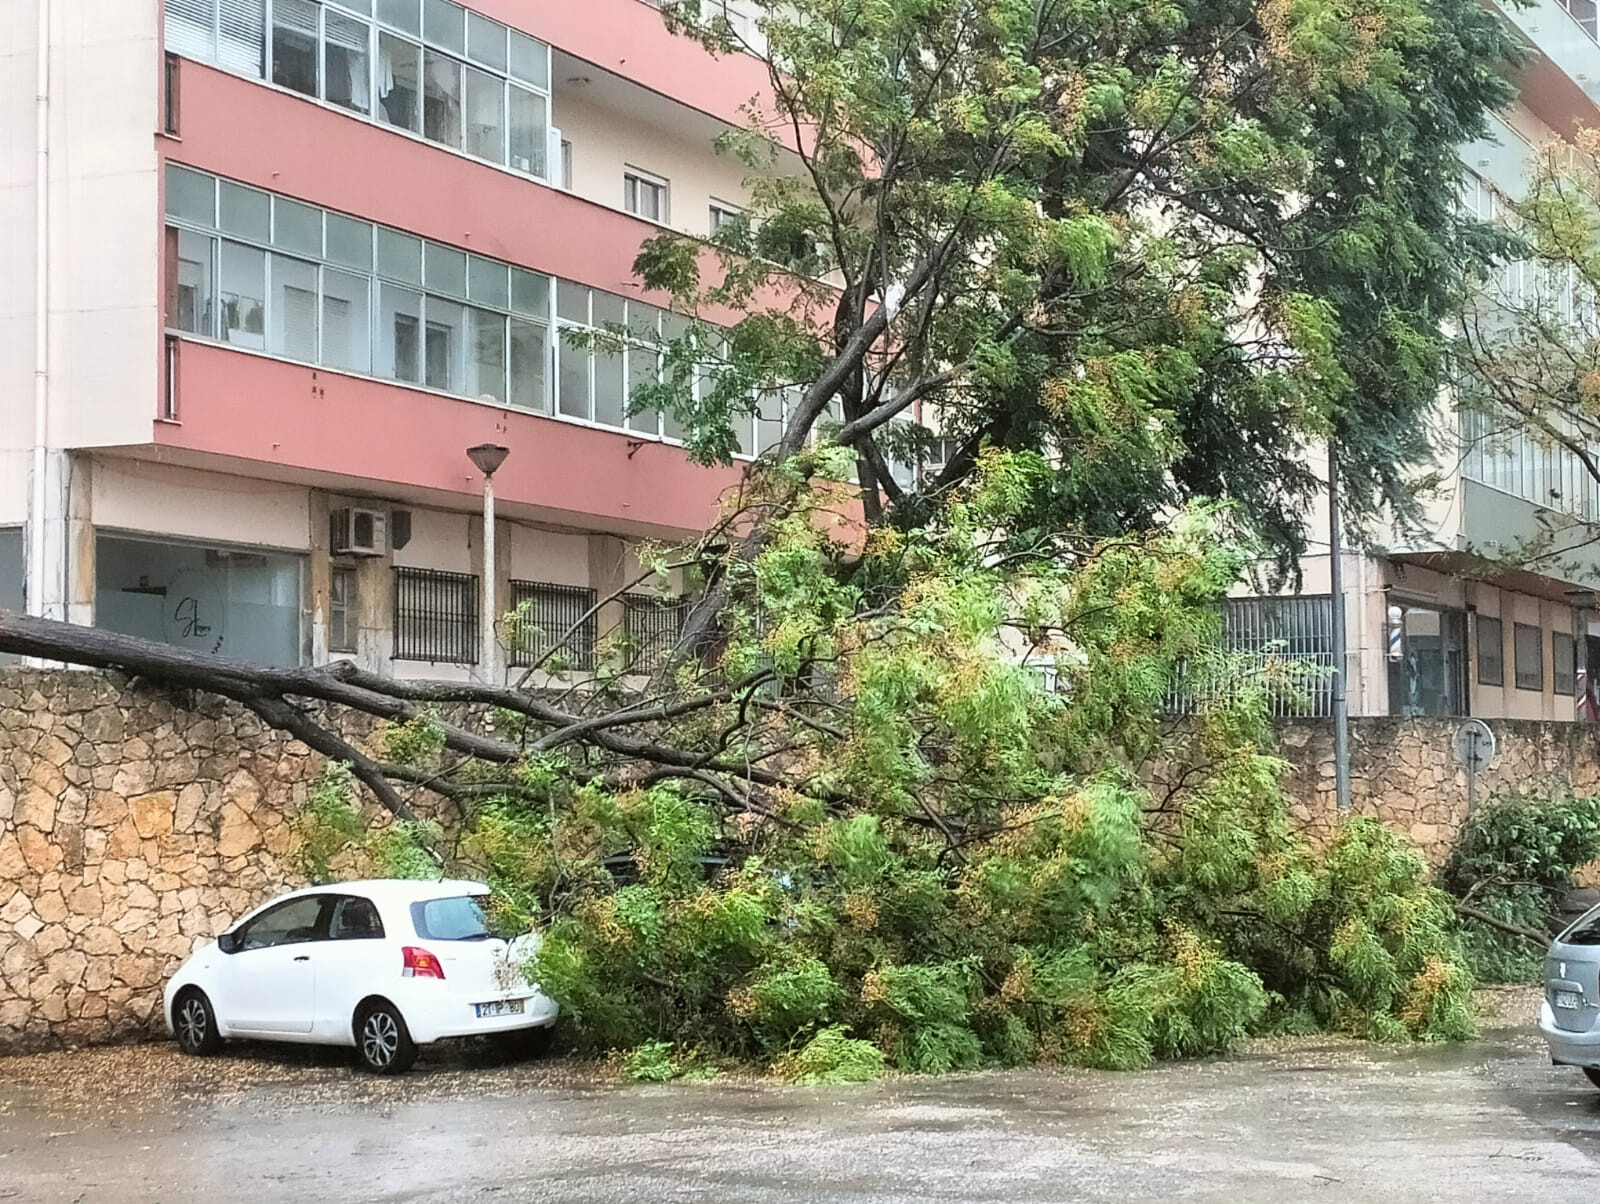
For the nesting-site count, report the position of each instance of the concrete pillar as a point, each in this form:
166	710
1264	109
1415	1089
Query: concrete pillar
608	573
319	572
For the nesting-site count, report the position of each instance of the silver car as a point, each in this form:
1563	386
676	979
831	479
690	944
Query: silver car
1569	1019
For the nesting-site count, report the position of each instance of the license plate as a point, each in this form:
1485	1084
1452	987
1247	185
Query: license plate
1568	999
501	1007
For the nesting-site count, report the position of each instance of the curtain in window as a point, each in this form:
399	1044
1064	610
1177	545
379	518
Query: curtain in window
347	71
244	36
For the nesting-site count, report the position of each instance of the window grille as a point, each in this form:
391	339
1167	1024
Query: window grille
652	625
435	616
545	614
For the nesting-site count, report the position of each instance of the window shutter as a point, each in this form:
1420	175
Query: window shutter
191	28
244	36
299	323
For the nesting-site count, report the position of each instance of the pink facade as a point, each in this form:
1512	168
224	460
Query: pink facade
246	407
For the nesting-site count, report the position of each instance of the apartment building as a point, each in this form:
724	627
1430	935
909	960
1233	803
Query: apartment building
1434	627
270	268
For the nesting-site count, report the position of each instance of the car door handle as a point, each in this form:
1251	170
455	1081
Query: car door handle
304	957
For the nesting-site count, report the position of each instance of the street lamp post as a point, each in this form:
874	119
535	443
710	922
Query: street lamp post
487	458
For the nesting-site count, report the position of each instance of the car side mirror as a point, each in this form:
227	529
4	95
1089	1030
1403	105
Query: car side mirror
228	942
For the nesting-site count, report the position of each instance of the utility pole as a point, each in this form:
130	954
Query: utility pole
487	458
1341	700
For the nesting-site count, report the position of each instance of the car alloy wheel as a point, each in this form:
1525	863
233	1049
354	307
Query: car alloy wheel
383	1042
380	1039
194	1025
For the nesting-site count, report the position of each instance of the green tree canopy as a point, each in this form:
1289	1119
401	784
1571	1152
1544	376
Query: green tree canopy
1165	243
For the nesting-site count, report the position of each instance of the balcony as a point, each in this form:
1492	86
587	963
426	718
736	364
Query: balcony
1562	81
295	422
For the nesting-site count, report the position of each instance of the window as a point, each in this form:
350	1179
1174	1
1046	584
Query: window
1491	651
644	196
486	116
545	613
435	616
527	131
459	79
11	575
193	301
399	83
238	602
272	274
528	366
726	216
294	45
400	334
441	99
566	165
460	918
1563	665
1427	660
1529	650
346	321
355	919
343	615
294	309
346	63
652	624
242	291
291	923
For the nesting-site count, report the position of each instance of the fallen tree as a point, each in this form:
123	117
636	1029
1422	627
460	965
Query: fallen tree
867	828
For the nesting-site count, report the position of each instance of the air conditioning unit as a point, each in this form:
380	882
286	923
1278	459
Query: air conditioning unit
358	532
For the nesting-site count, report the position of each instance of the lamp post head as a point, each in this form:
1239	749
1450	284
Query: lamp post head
488	457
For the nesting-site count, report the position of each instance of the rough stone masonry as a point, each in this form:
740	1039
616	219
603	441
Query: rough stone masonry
133	824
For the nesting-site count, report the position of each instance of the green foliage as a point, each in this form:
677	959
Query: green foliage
416	742
664	1062
1515	859
1174	243
832	1058
329	822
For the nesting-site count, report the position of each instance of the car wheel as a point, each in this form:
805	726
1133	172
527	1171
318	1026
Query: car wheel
383	1045
1592	1074
195	1024
526	1043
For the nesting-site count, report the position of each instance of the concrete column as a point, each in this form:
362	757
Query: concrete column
319	572
80	543
608	573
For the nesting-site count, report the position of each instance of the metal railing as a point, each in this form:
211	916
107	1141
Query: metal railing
1258	632
435	616
543	613
652	625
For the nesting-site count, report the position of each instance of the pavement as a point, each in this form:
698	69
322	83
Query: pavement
1284	1120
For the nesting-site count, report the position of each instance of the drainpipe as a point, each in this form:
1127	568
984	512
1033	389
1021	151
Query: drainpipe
38	505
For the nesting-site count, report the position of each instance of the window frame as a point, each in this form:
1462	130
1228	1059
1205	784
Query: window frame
340	901
532	75
319	929
1569	689
1481	625
347	606
1533	682
632	178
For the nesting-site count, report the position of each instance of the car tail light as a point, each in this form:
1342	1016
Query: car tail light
419	963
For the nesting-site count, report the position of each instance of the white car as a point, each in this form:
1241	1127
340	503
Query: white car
383	965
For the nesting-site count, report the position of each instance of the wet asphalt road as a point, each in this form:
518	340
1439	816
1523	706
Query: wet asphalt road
1310	1120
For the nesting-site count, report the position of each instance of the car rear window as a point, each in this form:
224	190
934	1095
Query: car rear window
458	918
1585	932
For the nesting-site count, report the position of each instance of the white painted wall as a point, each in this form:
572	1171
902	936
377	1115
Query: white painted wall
550	556
163	499
605	142
104	237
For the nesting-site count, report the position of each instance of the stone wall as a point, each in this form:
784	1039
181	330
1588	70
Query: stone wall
1404	771
137	822
134	823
